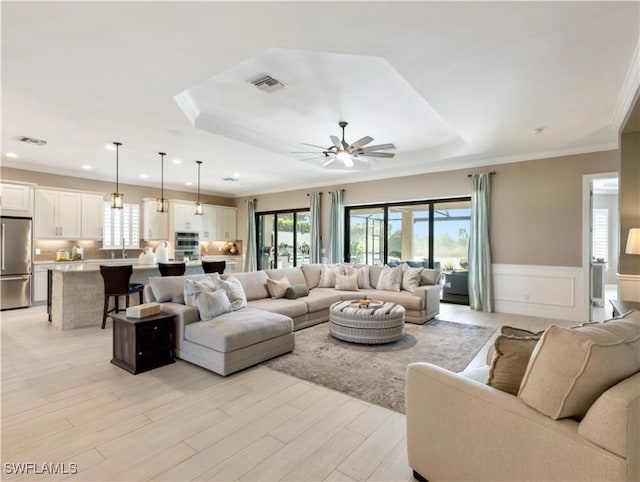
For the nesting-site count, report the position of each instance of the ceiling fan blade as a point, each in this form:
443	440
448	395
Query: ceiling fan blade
379	147
379	154
312	158
361	142
336	142
314	145
304	152
325	164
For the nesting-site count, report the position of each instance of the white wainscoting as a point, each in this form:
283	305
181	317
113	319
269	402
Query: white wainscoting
629	287
546	291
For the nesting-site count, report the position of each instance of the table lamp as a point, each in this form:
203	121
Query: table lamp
633	241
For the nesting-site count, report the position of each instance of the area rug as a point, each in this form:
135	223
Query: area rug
376	373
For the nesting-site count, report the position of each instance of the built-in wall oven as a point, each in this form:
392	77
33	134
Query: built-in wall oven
187	245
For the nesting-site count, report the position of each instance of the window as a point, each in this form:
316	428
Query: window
121	225
283	238
600	233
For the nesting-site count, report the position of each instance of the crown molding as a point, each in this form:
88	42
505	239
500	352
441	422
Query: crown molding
629	92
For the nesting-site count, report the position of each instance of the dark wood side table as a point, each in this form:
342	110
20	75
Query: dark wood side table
620	307
141	344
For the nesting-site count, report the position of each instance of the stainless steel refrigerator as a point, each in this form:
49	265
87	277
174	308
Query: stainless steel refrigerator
15	260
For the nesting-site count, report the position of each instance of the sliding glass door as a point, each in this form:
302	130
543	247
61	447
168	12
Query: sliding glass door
283	238
366	235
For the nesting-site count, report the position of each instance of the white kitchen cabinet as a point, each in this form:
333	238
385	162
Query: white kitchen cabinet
39	284
225	224
91	217
58	214
16	199
208	229
155	225
182	217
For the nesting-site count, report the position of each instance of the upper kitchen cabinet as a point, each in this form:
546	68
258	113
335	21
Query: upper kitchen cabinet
57	214
91	215
209	217
182	217
16	199
225	224
155	225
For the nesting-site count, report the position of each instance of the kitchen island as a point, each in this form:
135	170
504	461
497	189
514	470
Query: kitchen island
77	291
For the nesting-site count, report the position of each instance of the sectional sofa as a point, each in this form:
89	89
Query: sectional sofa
264	327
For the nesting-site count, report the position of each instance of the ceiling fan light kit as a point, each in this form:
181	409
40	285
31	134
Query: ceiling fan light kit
358	154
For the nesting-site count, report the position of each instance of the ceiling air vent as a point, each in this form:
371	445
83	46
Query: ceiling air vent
266	83
31	140
230	179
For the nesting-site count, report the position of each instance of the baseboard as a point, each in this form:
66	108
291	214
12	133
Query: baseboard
629	287
545	291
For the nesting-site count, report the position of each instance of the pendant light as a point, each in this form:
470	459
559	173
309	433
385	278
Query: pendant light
198	203
117	198
162	204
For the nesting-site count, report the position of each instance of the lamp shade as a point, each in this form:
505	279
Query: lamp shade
633	241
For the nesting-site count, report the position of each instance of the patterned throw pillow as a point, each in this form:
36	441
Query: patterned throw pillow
278	287
390	279
212	303
347	283
234	290
410	277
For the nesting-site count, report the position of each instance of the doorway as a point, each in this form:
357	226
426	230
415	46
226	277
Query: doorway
603	245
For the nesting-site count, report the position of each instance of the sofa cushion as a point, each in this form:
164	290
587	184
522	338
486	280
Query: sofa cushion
510	359
278	287
234	290
283	306
294	275
254	284
347	282
238	329
410	277
429	277
171	288
212	303
390	279
404	298
296	291
321	299
312	274
570	368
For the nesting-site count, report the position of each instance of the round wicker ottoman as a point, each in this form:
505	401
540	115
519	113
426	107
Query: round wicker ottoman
382	322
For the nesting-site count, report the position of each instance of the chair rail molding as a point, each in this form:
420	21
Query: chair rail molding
546	291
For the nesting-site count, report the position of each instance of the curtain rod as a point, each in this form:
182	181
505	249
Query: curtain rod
341	190
308	194
254	200
491	174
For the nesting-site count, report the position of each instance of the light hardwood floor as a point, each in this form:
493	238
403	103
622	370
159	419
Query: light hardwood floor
63	402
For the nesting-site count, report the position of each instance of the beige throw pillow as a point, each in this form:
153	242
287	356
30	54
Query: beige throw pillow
410	277
390	279
570	368
278	287
347	283
328	276
510	360
362	273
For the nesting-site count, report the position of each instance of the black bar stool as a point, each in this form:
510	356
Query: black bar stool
214	266
172	269
116	284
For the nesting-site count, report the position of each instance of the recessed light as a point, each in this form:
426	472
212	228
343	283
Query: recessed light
86	166
12	154
189	183
177	161
143	176
236	174
110	147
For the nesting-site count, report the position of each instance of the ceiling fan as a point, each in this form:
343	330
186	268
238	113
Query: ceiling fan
359	153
